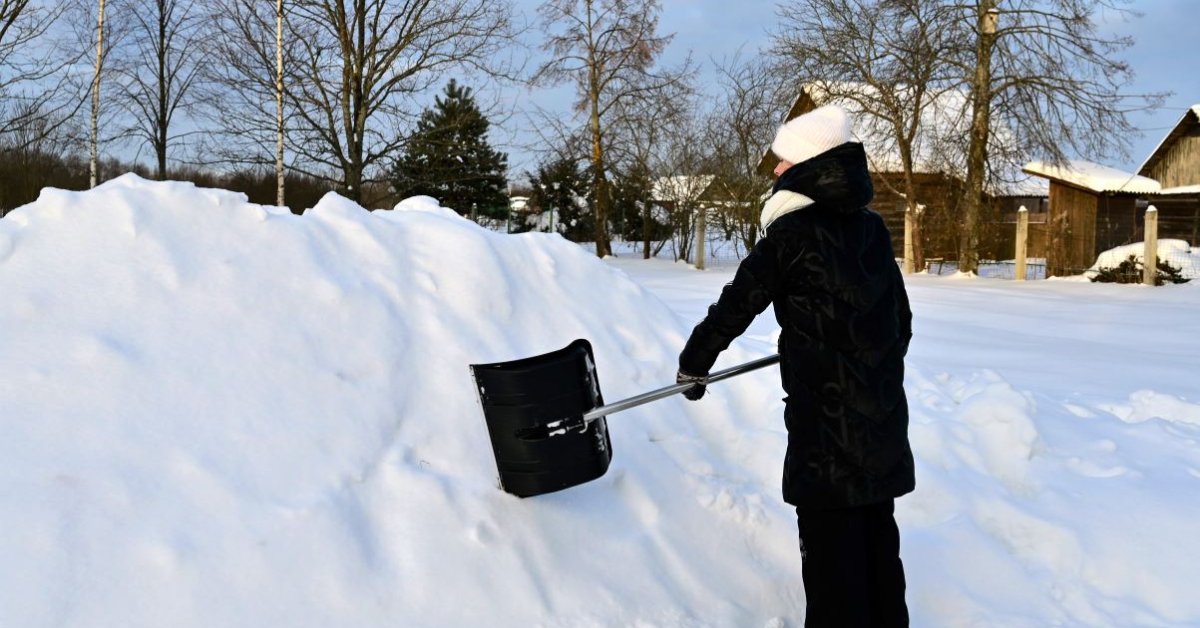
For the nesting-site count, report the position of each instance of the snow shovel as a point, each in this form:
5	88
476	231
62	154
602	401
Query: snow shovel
546	416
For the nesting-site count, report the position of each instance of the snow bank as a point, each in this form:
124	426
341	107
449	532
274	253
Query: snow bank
217	413
221	414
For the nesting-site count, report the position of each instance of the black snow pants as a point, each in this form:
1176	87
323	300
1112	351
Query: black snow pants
852	571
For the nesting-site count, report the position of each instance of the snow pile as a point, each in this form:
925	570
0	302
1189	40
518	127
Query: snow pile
221	414
1177	253
216	413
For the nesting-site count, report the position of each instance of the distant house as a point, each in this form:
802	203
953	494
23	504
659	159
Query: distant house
683	191
1094	208
939	174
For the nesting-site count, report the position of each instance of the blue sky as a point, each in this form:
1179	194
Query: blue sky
1164	56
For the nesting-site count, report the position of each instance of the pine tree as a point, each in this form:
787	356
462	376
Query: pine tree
448	157
561	187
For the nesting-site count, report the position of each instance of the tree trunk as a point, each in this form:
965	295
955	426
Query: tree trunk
599	181
279	200
646	230
160	131
977	150
94	165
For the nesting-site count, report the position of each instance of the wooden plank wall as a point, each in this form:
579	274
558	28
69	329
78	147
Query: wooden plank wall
939	195
1180	164
1071	237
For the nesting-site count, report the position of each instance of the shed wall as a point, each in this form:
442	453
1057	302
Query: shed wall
1180	162
1071	245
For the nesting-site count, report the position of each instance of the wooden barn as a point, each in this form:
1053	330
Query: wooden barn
1175	164
1094	208
938	190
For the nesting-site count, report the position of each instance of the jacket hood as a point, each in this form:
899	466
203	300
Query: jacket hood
837	179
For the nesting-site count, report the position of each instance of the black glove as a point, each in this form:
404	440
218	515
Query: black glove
695	392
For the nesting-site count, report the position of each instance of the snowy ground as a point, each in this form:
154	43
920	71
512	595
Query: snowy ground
217	413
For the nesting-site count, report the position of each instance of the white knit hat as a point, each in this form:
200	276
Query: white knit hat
811	134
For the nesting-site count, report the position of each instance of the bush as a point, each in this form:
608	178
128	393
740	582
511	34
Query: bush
1130	271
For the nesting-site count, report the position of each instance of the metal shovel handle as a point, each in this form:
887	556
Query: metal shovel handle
569	424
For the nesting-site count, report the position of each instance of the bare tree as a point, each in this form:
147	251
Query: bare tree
890	61
245	80
739	128
1044	73
643	129
357	62
161	63
352	74
608	50
95	124
31	53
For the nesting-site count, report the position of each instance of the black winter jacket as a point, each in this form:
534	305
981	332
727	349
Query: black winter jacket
839	297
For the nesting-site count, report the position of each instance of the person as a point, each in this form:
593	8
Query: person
826	264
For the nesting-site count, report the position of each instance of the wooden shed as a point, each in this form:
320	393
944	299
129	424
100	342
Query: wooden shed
1093	208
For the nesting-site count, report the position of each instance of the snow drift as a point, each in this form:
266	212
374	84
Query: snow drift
218	413
221	414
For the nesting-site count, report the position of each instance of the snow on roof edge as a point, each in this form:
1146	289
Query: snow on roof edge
1095	177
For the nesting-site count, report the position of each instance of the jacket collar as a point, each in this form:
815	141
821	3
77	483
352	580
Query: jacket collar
836	179
782	202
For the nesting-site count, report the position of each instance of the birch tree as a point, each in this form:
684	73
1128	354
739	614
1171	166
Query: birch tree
94	126
279	128
244	86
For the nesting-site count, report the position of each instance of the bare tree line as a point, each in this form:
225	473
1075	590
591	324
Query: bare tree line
330	89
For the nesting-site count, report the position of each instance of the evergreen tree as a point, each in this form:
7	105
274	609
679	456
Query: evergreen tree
561	187
448	157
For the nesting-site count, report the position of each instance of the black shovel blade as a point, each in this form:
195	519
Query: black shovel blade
526	395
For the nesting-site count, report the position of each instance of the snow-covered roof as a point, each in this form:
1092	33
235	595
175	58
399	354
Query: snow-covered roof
1095	177
1180	190
944	117
681	188
938	148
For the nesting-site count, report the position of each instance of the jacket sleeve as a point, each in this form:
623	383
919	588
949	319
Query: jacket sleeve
744	298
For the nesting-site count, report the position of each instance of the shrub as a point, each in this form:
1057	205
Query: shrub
1130	271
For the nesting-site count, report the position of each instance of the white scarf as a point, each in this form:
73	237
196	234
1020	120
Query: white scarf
780	203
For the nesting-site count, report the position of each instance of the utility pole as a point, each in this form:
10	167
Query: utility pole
981	99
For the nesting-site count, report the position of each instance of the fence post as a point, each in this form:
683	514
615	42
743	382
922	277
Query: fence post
1150	255
909	256
1022	241
700	239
